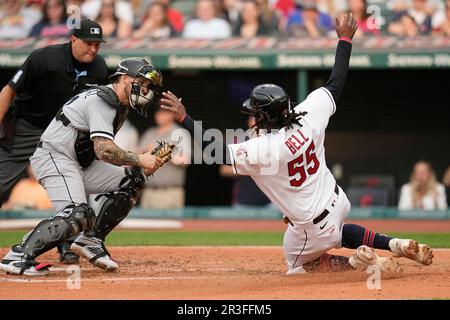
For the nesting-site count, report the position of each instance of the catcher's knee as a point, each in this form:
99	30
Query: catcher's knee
83	216
118	203
48	233
113	210
133	183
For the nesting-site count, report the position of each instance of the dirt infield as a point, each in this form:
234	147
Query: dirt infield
433	226
223	273
232	272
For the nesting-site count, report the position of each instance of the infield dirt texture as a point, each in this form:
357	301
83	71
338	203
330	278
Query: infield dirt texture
231	272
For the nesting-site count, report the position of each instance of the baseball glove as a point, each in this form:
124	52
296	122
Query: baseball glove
163	151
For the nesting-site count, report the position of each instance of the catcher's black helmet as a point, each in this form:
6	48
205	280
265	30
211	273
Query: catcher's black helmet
141	68
269	104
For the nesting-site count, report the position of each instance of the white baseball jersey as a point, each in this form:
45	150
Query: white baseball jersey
86	112
289	165
55	164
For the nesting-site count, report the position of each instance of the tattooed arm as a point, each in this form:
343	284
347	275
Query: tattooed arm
106	150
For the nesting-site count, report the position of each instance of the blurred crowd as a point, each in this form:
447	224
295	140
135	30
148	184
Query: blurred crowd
221	19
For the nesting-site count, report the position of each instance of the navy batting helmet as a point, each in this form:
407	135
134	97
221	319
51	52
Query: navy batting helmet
269	104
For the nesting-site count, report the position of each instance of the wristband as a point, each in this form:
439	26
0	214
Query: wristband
346	39
184	117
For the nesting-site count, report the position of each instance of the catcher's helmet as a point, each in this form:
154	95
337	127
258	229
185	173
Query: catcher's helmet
141	68
269	104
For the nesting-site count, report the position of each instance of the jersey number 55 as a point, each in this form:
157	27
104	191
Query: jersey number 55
299	165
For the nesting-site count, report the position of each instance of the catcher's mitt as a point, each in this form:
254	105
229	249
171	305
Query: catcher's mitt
163	151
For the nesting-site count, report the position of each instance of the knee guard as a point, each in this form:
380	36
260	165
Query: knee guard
118	203
133	183
48	233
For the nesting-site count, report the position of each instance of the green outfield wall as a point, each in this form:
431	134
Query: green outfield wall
244	213
258	54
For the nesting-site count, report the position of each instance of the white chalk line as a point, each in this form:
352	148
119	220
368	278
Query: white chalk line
200	269
66	269
99	280
59	269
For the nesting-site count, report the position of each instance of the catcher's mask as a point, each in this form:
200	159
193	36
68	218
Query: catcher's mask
270	105
147	84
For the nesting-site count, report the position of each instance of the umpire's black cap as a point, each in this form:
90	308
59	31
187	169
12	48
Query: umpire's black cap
89	31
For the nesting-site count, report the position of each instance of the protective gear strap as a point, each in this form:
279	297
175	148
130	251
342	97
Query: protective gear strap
118	203
108	95
101	254
49	233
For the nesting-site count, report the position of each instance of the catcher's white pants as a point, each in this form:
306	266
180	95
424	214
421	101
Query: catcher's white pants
306	242
67	182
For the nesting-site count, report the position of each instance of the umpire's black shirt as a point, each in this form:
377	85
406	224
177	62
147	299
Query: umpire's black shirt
48	78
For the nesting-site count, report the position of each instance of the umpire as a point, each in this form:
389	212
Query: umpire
48	78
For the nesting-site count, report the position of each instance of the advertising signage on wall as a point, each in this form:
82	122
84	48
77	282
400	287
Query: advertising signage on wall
260	53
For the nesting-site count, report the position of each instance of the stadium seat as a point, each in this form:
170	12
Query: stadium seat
377	183
368	197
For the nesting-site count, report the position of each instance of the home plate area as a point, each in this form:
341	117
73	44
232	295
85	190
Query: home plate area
226	272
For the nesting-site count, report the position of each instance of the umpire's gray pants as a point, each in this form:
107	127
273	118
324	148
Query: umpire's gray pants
15	159
67	182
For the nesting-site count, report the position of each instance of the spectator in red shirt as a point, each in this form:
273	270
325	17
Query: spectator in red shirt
156	23
285	6
367	25
176	18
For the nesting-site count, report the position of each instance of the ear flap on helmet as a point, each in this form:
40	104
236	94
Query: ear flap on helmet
247	108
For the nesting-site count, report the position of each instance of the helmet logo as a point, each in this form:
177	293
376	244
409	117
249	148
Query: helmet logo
153	76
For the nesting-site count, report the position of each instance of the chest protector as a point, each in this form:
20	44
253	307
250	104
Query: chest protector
84	147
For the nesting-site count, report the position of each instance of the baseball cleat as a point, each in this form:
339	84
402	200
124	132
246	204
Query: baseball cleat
410	249
296	270
365	256
94	250
16	263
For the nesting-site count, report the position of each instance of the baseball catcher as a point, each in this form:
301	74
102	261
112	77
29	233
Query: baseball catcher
77	156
